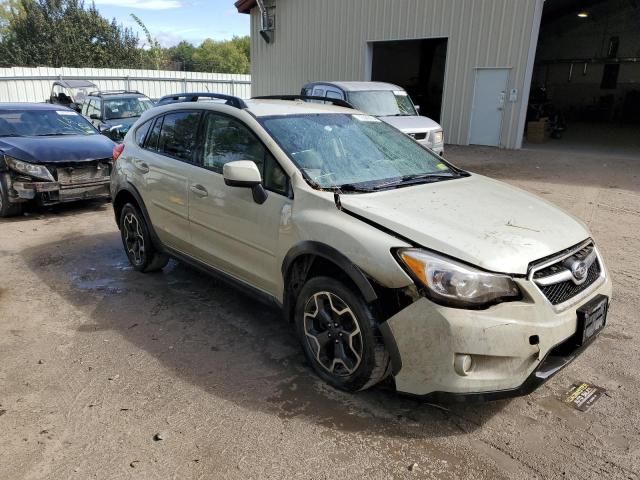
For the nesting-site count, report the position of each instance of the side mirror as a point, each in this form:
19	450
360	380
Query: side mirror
245	174
76	106
94	116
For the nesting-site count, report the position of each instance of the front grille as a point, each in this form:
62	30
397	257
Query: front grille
556	280
82	175
563	291
419	136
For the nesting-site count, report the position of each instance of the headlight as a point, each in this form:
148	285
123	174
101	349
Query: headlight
437	137
457	285
37	171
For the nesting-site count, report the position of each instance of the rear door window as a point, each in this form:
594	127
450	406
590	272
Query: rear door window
178	135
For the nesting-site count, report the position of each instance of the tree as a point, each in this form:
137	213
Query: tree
221	57
8	10
64	33
180	57
155	53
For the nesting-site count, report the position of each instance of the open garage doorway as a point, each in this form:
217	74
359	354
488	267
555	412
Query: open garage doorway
415	65
586	78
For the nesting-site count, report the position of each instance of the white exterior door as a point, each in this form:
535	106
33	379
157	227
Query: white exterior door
489	98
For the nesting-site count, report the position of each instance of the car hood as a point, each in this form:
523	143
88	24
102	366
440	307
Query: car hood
475	219
67	148
412	123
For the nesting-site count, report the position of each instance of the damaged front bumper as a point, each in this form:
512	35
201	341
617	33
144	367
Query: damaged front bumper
510	349
50	193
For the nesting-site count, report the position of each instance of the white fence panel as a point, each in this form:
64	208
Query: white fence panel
22	84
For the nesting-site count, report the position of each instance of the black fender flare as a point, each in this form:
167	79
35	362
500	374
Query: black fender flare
133	191
358	277
329	253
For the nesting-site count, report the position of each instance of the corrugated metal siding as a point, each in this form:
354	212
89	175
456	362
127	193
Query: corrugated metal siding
327	40
18	84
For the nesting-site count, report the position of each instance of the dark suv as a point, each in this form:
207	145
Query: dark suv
114	112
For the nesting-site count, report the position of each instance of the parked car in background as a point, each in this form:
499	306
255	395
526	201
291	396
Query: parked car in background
386	259
390	103
113	112
70	93
50	154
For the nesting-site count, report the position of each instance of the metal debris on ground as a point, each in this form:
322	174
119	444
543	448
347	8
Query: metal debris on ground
582	396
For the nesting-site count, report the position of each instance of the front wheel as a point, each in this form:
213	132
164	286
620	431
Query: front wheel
7	209
339	335
137	241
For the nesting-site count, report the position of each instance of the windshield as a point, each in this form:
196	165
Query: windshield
354	152
383	103
118	108
20	123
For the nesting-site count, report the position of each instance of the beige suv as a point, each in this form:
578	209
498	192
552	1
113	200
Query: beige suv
386	260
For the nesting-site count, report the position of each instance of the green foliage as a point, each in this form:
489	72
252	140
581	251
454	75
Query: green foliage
60	33
67	33
221	56
154	52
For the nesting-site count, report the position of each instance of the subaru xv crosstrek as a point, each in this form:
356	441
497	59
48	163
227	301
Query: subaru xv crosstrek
388	262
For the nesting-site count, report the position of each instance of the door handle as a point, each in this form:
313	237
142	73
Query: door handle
199	190
140	165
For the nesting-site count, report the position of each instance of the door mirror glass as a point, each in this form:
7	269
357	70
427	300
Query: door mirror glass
94	116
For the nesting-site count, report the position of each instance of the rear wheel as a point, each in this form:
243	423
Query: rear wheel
7	209
339	335
137	241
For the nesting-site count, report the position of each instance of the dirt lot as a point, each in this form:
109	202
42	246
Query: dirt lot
96	360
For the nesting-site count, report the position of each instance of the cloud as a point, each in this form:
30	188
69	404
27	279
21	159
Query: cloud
143	4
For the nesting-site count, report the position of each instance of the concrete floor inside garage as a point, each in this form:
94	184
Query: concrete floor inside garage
604	140
96	360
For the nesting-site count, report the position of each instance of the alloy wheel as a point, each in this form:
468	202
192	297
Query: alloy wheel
333	333
134	238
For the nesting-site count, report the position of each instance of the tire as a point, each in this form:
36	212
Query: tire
350	356
7	209
137	241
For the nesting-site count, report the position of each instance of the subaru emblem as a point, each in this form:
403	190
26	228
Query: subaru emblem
579	270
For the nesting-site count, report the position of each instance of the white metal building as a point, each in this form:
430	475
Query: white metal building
467	63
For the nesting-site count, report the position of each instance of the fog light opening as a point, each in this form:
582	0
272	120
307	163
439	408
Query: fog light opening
463	364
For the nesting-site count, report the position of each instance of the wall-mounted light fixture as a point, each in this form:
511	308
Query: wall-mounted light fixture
267	22
583	14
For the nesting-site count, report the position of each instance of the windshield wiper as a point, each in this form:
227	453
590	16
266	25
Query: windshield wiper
412	179
351	187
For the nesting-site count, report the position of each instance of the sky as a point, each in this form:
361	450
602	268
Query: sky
171	21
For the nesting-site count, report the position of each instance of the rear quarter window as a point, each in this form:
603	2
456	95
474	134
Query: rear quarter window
141	132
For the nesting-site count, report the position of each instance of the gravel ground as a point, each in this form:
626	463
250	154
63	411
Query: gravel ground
106	373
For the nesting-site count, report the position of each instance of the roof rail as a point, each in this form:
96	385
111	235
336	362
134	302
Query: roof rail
194	97
114	92
335	101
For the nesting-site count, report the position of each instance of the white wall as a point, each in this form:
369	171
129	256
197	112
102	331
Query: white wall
21	84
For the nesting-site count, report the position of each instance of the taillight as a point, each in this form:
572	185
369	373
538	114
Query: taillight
117	151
